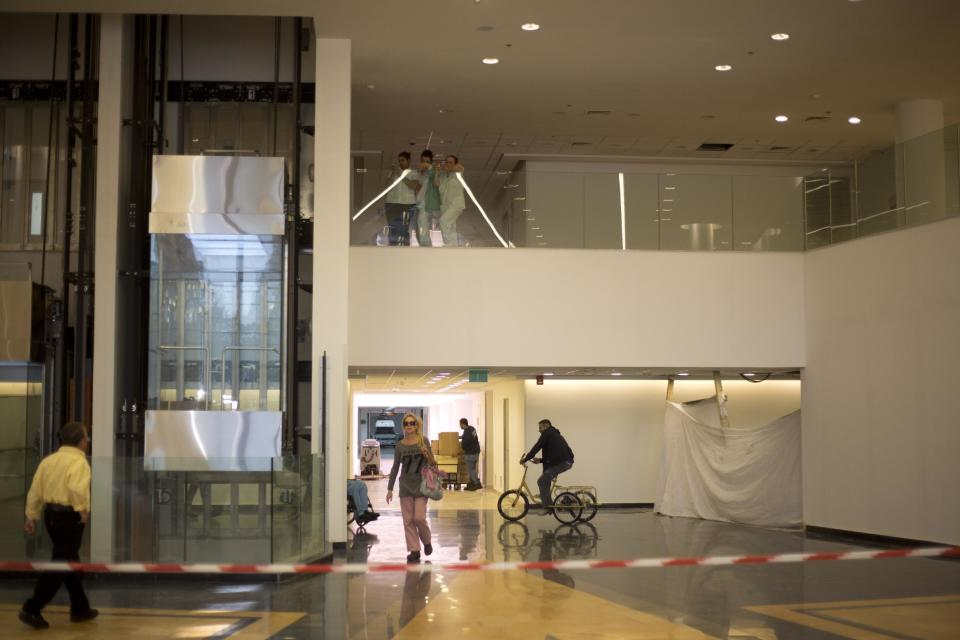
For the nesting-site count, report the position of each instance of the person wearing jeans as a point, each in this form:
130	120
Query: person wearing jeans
470	444
545	481
362	513
411	454
401	201
557	458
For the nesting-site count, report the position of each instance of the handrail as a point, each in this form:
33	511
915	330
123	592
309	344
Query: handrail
223	364
173	347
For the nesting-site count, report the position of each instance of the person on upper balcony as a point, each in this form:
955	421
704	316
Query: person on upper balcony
401	200
428	198
452	204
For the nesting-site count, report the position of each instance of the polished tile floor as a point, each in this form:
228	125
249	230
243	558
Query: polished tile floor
879	599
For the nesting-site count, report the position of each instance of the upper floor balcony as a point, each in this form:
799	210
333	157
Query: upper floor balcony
657	204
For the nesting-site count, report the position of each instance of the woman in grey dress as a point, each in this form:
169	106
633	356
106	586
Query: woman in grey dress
411	454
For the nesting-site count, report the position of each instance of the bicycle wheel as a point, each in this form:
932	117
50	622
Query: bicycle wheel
513	535
566	539
513	505
567	507
589	505
590	536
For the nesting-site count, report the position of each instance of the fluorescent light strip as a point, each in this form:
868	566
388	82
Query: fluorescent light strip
482	212
383	193
623	217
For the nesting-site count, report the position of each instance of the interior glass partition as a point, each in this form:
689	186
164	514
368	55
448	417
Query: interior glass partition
648	210
672	207
215	334
222	490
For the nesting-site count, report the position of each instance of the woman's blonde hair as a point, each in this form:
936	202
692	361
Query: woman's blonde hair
419	426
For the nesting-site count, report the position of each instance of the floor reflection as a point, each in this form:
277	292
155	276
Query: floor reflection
886	598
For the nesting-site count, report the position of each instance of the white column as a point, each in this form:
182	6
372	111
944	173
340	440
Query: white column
114	36
331	254
921	153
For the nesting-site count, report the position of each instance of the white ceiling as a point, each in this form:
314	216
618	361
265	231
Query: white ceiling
649	62
404	380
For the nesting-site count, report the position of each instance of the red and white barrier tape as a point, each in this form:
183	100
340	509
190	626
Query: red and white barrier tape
559	565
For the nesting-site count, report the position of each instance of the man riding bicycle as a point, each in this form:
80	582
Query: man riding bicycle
557	458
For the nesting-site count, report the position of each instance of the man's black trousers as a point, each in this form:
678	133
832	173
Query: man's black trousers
66	531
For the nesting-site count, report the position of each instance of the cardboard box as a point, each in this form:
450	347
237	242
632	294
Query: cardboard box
435	446
449	443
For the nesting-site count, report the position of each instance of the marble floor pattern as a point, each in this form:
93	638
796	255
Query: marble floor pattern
877	600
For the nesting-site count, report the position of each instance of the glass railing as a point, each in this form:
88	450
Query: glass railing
646	206
907	184
592	210
249	511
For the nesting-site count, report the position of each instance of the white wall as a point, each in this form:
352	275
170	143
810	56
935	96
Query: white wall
446	417
749	405
504	420
498	307
615	426
880	428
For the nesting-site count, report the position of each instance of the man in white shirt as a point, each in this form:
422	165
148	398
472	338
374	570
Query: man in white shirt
401	201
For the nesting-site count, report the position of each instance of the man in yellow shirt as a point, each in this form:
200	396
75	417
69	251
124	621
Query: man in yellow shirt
61	494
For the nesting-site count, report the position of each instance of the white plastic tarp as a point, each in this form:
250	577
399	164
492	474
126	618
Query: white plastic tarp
750	476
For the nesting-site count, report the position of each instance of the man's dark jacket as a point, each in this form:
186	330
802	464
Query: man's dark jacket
469	441
555	448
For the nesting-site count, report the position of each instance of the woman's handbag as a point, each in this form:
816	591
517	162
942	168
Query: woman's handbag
430	482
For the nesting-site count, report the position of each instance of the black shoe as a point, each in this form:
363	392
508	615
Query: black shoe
366	517
35	620
413	556
427	549
89	614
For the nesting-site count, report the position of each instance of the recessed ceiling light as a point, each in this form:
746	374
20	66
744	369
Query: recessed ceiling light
491	60
547	373
780	36
530	26
781	118
615	373
853	120
723	67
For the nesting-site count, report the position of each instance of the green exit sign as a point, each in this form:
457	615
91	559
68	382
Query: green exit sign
478	375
